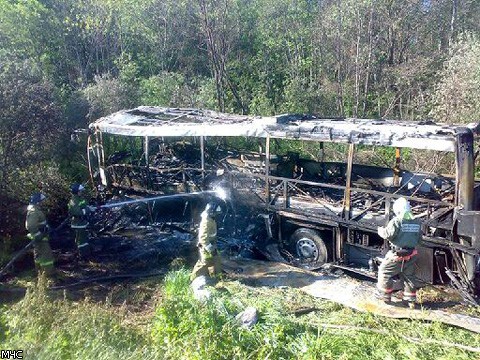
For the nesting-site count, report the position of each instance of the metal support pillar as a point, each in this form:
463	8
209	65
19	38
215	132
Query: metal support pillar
396	169
341	237
347	211
464	169
202	152
267	169
147	160
464	198
322	152
96	159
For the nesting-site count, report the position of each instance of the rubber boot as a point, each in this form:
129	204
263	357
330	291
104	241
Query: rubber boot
386	298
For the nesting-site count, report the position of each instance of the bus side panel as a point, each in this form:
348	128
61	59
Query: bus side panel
425	265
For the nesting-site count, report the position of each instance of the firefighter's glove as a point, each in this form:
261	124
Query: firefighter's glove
35	237
91	209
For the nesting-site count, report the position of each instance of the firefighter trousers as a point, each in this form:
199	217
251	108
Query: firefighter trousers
207	266
82	241
393	266
43	256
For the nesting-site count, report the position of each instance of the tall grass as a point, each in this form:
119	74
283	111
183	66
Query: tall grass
183	328
61	329
186	329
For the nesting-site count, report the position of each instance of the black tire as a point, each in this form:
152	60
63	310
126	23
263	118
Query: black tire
309	248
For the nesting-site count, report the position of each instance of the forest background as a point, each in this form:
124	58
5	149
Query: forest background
65	63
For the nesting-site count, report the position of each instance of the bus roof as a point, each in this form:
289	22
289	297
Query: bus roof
179	122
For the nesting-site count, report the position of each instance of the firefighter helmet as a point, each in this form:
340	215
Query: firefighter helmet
36	198
76	188
401	206
211	209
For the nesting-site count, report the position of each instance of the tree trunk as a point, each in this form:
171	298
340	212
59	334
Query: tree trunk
452	24
369	59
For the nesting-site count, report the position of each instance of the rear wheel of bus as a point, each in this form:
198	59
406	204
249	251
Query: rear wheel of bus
309	248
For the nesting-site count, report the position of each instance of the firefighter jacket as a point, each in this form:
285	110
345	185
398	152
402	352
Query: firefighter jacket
77	209
36	222
402	232
207	236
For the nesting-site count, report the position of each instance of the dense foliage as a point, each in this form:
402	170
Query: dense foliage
368	58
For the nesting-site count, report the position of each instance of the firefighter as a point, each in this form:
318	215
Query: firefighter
78	210
36	225
404	233
209	263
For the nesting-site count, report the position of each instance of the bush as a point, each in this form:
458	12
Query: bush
107	95
31	129
166	89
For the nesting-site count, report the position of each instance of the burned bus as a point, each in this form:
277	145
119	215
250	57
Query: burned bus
318	210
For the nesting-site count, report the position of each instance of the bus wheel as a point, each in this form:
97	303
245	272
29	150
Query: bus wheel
310	249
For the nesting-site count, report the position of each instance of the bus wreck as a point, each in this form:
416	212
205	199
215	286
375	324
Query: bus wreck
316	210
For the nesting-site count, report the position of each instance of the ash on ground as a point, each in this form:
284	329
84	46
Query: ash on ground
155	236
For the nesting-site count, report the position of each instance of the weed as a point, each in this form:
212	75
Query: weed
58	329
184	328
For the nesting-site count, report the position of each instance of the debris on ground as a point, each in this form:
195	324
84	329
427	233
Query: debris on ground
247	318
200	292
344	290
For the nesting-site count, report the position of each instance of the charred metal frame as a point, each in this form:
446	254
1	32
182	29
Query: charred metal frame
465	169
95	151
149	122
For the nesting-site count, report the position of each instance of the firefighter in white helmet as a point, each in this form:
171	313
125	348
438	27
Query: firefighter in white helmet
209	263
404	233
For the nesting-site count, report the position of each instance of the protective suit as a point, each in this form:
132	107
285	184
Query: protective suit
209	263
404	233
36	225
78	210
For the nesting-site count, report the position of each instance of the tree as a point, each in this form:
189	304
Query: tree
30	120
166	89
457	95
220	31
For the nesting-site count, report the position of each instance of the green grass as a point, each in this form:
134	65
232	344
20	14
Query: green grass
61	329
182	328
